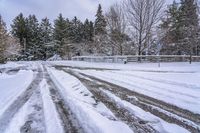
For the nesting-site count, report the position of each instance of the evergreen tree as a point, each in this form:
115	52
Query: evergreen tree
76	31
46	31
87	37
100	22
100	38
3	39
171	28
60	29
19	29
189	26
181	29
60	32
33	46
46	39
91	31
88	31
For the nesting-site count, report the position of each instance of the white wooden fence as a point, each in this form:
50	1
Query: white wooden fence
143	58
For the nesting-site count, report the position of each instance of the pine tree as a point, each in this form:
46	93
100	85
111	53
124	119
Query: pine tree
100	38
33	45
3	40
60	29
172	33
19	29
60	32
76	31
100	22
46	31
88	36
189	26
46	39
181	29
87	31
91	31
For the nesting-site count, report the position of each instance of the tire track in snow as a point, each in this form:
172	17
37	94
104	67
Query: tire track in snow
69	122
145	102
21	100
161	104
167	82
35	118
51	117
138	125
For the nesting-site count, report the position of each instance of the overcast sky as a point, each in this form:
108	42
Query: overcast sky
83	9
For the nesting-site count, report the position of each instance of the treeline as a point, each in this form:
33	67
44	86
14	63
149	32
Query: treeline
39	41
132	27
67	38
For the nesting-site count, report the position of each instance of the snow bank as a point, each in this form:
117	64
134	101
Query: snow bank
55	58
92	116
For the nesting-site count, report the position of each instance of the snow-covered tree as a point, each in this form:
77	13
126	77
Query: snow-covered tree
181	28
100	34
3	40
19	30
60	32
33	46
171	29
143	17
88	31
100	22
189	26
116	21
88	36
46	39
76	31
13	48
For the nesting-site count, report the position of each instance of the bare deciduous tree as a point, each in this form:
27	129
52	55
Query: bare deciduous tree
13	47
143	15
116	23
3	40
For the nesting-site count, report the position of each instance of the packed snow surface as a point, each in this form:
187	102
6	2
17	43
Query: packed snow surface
159	124
11	86
95	117
174	83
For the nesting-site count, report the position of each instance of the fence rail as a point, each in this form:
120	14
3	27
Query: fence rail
143	58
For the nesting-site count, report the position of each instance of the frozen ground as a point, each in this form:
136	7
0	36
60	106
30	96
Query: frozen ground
68	96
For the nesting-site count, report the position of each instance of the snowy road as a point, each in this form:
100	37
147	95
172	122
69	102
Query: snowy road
49	97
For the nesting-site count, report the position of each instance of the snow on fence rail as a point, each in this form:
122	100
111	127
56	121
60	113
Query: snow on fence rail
143	58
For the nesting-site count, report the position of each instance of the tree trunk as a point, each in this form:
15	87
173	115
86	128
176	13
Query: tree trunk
139	47
121	49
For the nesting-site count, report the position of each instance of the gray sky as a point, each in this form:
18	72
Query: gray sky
83	9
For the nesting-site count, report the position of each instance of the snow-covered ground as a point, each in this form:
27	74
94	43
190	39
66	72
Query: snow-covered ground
176	83
174	88
11	86
94	116
64	96
148	67
156	122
